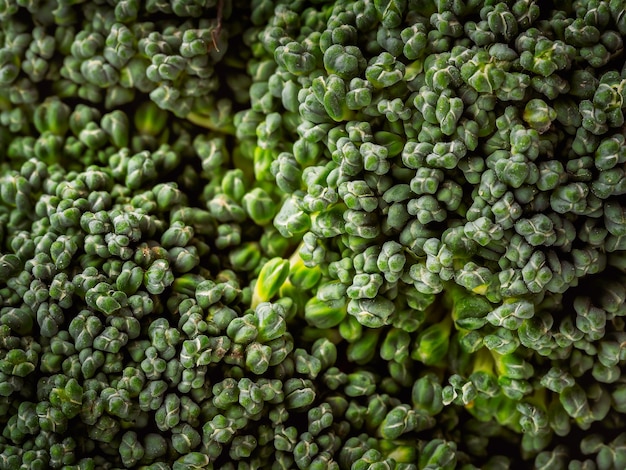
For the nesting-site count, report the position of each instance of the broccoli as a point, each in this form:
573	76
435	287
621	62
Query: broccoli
322	234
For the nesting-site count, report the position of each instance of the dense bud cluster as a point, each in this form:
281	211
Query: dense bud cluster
322	234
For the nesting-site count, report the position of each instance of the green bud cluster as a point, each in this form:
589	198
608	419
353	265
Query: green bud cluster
453	171
312	235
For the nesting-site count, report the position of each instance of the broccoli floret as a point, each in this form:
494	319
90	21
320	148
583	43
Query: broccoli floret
327	234
453	164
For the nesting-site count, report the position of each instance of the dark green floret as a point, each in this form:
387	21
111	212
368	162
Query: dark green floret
324	234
